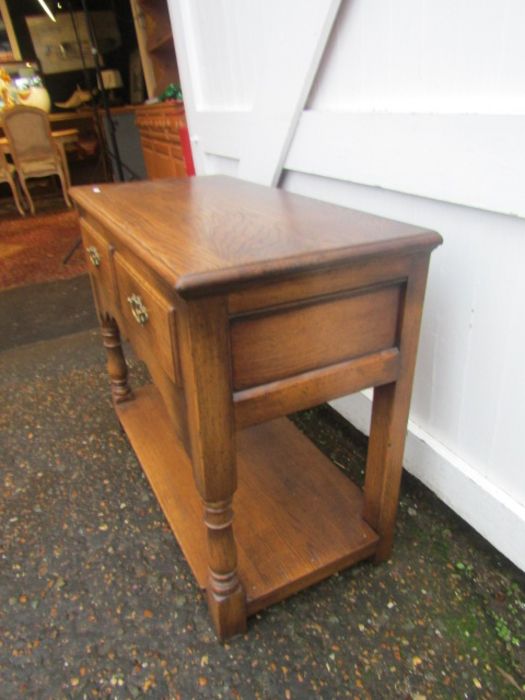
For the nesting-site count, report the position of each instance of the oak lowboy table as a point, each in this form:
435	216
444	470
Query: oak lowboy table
248	303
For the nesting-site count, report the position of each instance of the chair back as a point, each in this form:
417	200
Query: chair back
29	135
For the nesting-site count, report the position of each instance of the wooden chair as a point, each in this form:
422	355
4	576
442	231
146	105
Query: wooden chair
7	174
35	153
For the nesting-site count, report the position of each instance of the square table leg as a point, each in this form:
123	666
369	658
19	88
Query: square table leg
389	419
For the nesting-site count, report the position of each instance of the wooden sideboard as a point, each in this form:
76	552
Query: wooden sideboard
164	139
249	303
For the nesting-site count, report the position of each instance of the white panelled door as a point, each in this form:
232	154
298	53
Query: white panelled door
247	68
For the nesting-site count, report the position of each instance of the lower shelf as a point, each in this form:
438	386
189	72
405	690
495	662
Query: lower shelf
297	517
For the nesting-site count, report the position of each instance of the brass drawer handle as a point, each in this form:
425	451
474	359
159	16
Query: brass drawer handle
138	309
94	255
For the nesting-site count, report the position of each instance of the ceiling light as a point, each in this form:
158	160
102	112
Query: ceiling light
46	9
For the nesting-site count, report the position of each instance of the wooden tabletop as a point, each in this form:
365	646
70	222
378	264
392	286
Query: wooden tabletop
87	113
216	231
63	135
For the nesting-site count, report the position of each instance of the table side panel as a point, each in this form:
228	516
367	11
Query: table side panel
288	340
309	389
317	283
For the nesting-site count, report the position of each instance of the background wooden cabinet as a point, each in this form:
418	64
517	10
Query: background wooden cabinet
163	130
164	139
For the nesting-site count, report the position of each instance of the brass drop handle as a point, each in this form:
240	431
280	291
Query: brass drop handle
138	309
94	255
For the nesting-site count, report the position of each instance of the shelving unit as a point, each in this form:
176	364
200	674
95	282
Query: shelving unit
163	130
271	457
157	50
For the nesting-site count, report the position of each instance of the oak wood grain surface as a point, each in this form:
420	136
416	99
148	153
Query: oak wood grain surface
98	258
158	331
308	389
249	303
265	346
297	517
216	231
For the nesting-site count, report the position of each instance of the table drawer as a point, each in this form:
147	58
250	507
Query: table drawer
99	260
286	341
149	318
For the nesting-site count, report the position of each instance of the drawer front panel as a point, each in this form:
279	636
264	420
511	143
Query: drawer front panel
149	319
100	267
284	342
162	160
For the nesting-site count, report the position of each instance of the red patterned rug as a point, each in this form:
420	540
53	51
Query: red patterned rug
32	249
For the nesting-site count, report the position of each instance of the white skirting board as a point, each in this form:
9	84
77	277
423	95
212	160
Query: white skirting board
488	509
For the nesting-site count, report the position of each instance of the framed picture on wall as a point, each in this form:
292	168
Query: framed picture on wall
9	50
56	44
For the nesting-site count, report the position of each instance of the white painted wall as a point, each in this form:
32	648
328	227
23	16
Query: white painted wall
467	407
422	56
415	111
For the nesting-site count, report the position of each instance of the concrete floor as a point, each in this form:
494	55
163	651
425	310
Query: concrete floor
96	599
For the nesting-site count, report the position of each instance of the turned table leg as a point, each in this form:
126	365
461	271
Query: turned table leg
226	598
116	362
389	419
206	372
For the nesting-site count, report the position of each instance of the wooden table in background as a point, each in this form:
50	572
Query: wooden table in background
62	137
249	303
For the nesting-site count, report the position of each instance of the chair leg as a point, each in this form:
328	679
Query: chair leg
16	196
65	165
26	192
63	181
